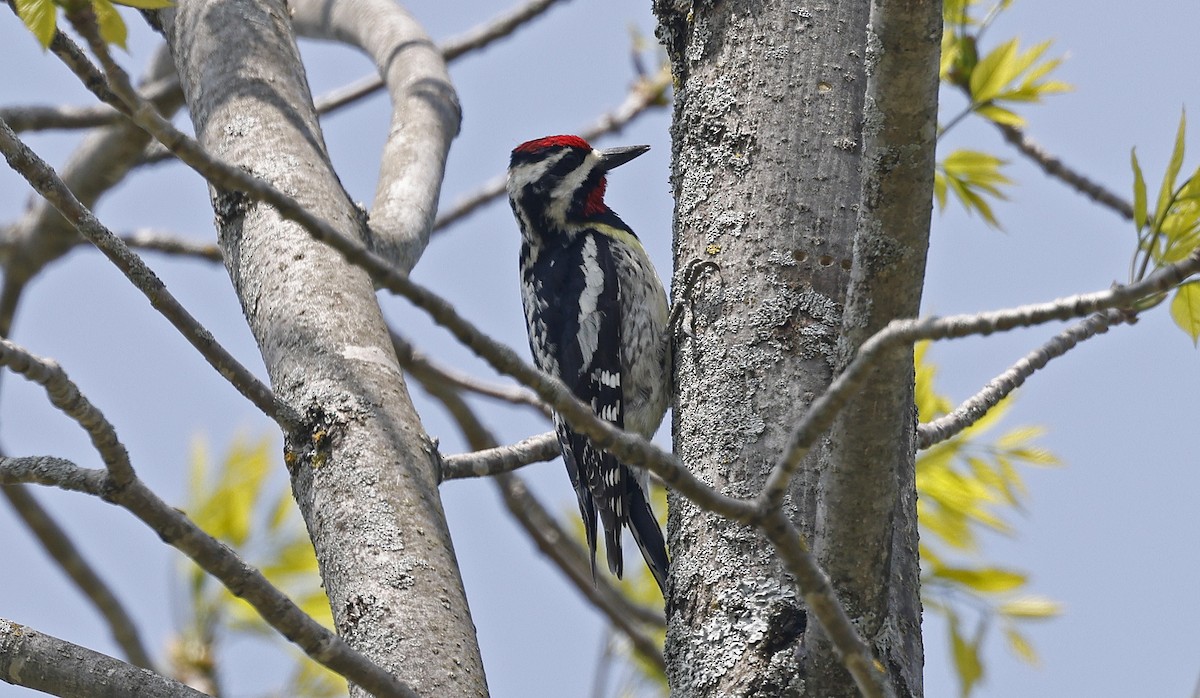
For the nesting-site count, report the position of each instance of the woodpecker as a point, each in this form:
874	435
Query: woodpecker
596	313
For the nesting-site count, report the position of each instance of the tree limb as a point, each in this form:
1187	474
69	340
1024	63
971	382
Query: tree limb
102	160
427	371
45	663
501	459
425	115
1059	170
451	49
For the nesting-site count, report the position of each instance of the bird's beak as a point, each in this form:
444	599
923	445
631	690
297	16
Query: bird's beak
615	157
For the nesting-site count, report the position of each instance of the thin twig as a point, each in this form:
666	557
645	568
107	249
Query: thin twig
1055	167
65	395
648	92
501	459
215	558
62	550
22	119
822	601
43	179
427	370
974	408
472	40
45	663
171	244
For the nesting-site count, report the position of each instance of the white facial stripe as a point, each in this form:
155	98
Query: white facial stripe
528	173
563	194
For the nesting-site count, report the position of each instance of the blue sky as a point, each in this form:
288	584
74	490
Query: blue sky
1114	536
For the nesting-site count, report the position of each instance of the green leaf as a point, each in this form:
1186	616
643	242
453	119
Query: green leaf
1167	192
1000	115
1185	309
112	27
1021	646
939	189
1030	607
41	16
1139	191
966	173
983	579
993	72
146	4
966	659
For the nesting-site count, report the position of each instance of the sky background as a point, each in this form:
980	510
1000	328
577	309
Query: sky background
1114	536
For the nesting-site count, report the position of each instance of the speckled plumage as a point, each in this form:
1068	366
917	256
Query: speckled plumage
597	314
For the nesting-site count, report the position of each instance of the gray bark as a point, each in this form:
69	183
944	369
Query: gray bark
867	541
768	150
425	115
44	663
362	467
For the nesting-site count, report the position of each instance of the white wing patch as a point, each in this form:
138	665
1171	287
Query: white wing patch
589	319
609	379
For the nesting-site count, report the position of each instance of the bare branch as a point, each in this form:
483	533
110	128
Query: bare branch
494	29
646	93
898	332
215	558
46	182
1054	167
102	159
1000	387
65	395
170	244
501	459
427	370
425	114
452	49
21	119
45	663
822	600
62	550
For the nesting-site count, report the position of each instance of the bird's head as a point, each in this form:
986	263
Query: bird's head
563	176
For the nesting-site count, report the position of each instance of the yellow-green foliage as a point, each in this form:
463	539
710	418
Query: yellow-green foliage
994	83
966	485
41	16
234	503
1170	232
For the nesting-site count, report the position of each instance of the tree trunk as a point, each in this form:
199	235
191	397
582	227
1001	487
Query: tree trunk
768	176
361	467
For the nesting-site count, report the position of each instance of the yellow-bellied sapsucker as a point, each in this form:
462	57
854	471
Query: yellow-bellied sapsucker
597	315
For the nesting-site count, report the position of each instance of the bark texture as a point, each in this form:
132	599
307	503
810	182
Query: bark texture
45	663
362	470
768	177
867	540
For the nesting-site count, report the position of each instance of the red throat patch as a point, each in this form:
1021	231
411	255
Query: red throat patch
594	204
